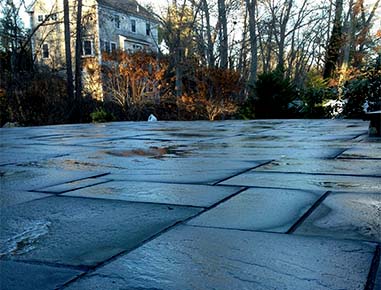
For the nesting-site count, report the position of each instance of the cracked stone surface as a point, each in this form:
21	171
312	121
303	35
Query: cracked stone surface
208	258
190	205
274	210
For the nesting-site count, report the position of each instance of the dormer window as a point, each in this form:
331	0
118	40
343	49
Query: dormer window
53	17
133	25
40	18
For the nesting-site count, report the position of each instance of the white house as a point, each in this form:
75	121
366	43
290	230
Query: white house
107	25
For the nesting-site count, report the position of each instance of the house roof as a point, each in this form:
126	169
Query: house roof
128	6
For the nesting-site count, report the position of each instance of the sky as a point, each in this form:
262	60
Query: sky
156	4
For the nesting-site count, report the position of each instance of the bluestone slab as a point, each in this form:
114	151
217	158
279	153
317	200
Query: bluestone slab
322	166
168	193
346	216
205	258
73	185
363	151
274	210
307	181
12	197
20	276
79	231
31	178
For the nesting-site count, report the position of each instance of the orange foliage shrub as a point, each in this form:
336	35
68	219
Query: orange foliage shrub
141	84
213	93
133	81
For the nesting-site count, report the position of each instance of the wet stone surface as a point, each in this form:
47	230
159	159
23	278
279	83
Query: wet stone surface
264	204
346	215
78	232
19	275
12	197
307	181
208	258
167	193
274	210
73	185
325	167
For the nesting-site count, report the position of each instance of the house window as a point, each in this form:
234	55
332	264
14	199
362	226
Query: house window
148	28
106	47
126	45
133	25
40	18
137	47
87	48
45	50
117	21
47	17
113	46
53	17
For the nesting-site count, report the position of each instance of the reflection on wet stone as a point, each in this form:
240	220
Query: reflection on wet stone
190	205
205	258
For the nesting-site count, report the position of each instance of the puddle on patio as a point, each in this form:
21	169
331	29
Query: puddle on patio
151	152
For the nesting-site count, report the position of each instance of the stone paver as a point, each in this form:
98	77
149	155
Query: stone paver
320	166
167	193
19	275
371	151
12	197
307	181
274	210
204	258
73	185
76	232
346	215
263	204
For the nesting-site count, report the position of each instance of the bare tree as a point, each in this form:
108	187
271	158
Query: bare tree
223	34
251	7
69	68
210	42
335	42
78	53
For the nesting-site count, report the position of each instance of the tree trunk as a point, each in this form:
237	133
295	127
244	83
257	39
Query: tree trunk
223	34
242	51
282	37
78	54
334	45
251	6
210	45
69	68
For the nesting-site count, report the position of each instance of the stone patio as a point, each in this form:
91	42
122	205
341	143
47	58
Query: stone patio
265	204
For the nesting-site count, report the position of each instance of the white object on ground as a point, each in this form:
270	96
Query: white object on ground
152	118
